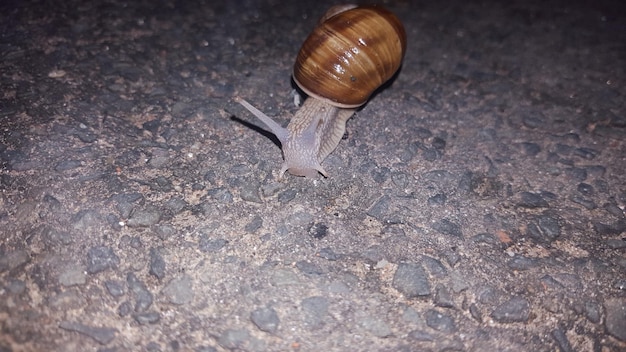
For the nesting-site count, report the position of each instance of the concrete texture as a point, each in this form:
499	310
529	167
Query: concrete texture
475	204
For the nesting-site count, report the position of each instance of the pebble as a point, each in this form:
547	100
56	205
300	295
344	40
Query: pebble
254	225
300	218
100	334
265	319
438	199
318	230
485	238
532	118
339	287
400	179
561	339
593	311
614	210
135	242
250	192
144	217
411	280
53	237
549	282
586	153
380	174
585	188
615	320
13	259
531	149
587	203
176	204
516	309
53	204
380	208
410	315
458	282
207	244
563	149
271	189
85	136
153	347
615	228
101	258
159	158
571	282
157	264
287	195
164	231
143	297
532	200
434	266
179	290
431	154
409	152
284	277
597	172
125	209
147	317
114	287
85	220
125	309
615	243
443	298
376	326
373	254
544	228
448	227
329	254
315	309
476	313
520	262
73	276
221	195
439	143
576	174
309	268
440	321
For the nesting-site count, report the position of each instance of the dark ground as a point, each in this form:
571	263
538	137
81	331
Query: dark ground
476	204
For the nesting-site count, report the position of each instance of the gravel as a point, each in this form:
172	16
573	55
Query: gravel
266	319
475	203
101	258
516	309
411	280
100	334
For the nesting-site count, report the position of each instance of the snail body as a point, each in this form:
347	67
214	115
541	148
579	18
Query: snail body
350	54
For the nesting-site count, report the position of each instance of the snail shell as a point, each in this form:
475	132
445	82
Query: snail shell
350	54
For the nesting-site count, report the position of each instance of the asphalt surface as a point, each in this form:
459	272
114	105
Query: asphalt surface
476	203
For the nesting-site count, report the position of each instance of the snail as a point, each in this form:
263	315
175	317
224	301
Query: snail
351	53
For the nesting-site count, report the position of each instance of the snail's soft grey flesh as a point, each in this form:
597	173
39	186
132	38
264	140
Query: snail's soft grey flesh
313	133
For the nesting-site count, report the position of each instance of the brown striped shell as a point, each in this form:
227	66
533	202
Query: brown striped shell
352	52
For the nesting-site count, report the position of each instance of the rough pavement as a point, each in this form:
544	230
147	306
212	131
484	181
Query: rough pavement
475	204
